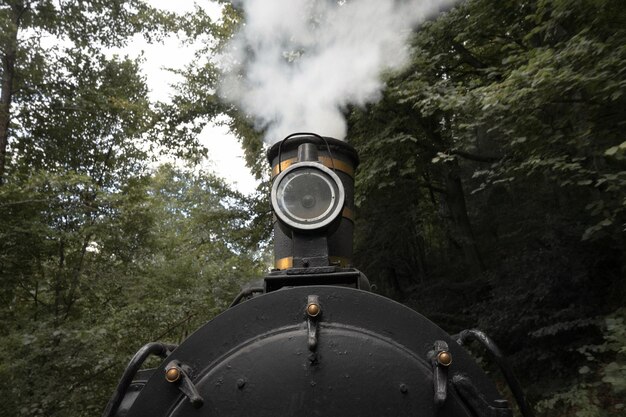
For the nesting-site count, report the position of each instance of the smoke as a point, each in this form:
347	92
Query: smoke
296	64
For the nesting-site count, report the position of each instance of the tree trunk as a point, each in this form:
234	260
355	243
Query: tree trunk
462	229
6	89
454	199
418	254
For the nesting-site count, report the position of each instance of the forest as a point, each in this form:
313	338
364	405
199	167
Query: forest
491	194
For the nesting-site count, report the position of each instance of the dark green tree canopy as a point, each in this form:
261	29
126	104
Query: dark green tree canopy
491	194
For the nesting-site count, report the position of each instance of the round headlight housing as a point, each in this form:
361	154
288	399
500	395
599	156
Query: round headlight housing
307	196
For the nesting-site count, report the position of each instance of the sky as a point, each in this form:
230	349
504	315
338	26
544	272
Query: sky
225	153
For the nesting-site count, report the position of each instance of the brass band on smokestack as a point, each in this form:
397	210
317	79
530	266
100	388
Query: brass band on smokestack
342	160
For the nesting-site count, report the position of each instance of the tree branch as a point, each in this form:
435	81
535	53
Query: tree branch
476	158
433	188
17	203
175	325
467	56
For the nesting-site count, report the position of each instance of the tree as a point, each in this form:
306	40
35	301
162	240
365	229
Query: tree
93	249
491	189
165	253
37	73
522	103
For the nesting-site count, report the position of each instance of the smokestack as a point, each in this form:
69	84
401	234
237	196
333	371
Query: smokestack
310	228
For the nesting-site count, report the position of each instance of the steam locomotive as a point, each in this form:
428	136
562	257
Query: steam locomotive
313	340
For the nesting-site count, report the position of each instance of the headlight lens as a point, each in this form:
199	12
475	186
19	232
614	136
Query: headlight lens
307	196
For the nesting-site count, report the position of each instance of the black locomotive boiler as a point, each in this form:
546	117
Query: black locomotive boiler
314	341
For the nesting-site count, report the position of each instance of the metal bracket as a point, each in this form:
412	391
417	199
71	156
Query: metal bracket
178	373
516	389
440	360
479	406
313	311
155	348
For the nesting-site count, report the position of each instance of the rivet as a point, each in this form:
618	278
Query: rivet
444	358
403	388
313	309
172	374
241	383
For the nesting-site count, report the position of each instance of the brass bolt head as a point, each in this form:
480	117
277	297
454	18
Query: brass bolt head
172	374
313	309
444	358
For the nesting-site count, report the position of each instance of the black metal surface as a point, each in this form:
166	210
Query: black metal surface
516	389
338	148
307	152
440	372
339	242
371	358
312	322
476	401
309	250
133	391
315	276
339	237
154	348
315	344
184	383
247	292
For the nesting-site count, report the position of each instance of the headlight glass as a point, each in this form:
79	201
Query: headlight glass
307	197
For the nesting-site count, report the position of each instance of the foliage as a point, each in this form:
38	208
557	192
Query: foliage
85	288
57	82
493	171
491	190
491	193
601	392
98	254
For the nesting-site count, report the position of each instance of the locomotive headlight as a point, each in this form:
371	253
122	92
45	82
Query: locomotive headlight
307	196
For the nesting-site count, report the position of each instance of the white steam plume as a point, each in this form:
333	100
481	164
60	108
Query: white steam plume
296	64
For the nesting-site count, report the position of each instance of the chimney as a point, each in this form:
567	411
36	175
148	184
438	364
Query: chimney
313	201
